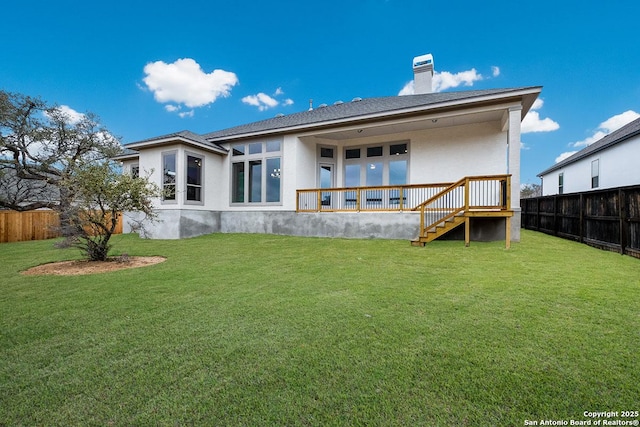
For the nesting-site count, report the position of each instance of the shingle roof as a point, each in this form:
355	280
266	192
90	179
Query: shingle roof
185	134
359	108
126	154
615	137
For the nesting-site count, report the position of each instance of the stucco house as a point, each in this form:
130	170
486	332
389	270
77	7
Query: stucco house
407	167
607	163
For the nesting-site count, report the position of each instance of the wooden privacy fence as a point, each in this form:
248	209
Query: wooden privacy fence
33	225
607	219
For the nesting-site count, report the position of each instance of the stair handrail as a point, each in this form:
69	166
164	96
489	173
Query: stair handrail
464	181
505	198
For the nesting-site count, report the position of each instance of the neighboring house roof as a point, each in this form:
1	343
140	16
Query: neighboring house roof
373	109
184	136
630	130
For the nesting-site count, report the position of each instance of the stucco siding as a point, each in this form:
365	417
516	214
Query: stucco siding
448	154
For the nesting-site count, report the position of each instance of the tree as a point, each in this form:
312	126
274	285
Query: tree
53	157
101	194
530	190
41	146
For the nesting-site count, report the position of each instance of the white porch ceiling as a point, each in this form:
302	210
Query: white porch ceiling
408	125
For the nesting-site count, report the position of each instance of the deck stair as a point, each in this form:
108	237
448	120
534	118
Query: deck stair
481	196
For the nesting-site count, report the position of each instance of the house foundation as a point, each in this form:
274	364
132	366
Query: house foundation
178	224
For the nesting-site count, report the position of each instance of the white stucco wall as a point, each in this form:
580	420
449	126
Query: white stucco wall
619	167
150	160
448	154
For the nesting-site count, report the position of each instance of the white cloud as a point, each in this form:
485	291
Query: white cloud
261	100
445	80
495	71
72	116
186	114
171	108
533	123
565	155
407	89
184	82
606	127
264	101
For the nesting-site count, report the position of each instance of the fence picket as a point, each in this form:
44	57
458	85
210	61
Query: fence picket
33	225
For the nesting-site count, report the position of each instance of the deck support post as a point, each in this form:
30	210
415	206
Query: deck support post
467	231
507	233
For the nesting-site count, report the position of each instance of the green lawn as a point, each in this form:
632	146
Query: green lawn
261	330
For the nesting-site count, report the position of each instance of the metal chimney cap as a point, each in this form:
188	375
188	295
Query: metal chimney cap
423	61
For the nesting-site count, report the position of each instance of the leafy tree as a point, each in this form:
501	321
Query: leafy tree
101	194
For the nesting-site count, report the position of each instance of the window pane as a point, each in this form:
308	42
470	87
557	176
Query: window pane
237	191
169	176
397	149
374	174
273	146
238	150
352	176
353	153
255	148
326	152
194	193
273	180
194	170
398	172
374	151
194	178
255	181
326	176
135	171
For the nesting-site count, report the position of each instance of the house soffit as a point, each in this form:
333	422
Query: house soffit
432	121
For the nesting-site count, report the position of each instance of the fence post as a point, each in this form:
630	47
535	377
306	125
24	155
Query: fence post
555	215
582	207
623	217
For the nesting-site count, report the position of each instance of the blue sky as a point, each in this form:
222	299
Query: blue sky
152	68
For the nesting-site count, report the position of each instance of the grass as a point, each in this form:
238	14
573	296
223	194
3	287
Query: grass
271	330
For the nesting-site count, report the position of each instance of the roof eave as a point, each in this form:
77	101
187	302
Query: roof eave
528	96
127	156
175	140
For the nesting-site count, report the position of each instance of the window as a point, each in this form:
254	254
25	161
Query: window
261	161
352	153
326	152
135	170
561	183
374	151
194	178
385	164
169	176
595	173
255	181
273	179
237	183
